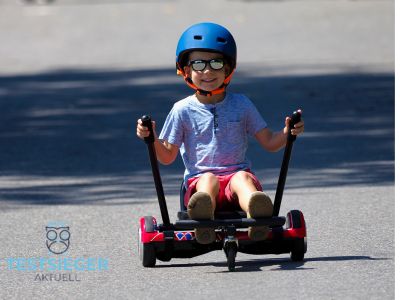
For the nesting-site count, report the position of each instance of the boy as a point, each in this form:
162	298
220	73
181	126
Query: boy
210	128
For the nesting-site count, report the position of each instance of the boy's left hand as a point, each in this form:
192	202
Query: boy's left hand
298	127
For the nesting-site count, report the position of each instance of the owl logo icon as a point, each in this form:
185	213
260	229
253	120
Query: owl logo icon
57	239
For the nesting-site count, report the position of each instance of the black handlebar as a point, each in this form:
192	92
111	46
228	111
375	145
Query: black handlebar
295	118
146	121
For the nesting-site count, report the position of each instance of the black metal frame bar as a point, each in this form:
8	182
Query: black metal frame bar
296	117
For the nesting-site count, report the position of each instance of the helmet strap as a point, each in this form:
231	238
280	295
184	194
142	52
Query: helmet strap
217	91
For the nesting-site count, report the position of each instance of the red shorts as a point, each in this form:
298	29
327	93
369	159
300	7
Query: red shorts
225	200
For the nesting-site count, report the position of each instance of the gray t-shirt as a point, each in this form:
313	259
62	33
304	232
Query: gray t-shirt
212	137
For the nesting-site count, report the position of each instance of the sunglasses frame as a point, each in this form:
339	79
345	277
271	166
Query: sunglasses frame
207	62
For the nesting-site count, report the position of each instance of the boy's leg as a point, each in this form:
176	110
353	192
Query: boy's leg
209	183
202	205
256	203
242	186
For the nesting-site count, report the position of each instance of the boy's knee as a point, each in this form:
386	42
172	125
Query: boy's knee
240	180
242	176
209	177
209	180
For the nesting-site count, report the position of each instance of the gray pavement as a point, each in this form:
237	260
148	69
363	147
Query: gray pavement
75	76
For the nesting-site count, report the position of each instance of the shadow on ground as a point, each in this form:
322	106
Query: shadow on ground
73	131
276	264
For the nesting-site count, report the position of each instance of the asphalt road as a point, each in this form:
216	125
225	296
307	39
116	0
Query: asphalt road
75	76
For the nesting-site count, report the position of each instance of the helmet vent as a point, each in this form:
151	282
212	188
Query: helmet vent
198	37
221	40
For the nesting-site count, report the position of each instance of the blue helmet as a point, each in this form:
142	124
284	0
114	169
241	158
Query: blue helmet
208	37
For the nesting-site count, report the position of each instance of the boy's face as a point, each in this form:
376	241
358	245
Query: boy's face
207	79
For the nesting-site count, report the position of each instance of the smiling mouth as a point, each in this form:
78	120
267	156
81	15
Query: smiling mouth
208	80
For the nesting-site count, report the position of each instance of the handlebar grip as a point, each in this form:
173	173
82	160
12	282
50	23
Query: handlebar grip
146	121
295	118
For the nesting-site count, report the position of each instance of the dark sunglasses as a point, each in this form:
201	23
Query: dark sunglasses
201	64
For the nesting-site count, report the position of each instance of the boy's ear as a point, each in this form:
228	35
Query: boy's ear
186	69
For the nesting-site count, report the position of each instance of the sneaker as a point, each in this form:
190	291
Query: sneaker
205	235
200	208
260	205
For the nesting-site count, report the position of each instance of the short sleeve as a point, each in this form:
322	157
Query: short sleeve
172	131
254	121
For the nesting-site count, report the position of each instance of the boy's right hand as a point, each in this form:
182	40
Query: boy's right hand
142	131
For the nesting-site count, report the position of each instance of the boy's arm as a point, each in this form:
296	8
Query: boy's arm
274	141
166	152
271	141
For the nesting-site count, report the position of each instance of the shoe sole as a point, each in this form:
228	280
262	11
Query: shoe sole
200	208
258	233
205	235
260	206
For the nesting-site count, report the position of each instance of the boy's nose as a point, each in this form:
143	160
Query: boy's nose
207	69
